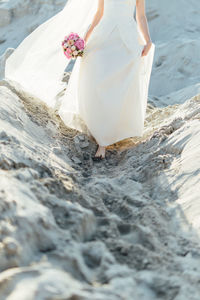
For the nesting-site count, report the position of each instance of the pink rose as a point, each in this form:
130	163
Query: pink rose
80	44
76	35
73	36
66	54
69	50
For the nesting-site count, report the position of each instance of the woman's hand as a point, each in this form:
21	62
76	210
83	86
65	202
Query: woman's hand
146	48
143	25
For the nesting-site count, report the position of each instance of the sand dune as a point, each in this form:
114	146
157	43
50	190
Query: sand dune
126	228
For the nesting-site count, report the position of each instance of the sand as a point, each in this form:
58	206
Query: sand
125	228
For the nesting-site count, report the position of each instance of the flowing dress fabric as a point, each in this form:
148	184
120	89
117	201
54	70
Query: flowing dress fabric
38	63
108	88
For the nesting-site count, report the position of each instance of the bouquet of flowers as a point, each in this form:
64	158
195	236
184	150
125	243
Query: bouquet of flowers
73	45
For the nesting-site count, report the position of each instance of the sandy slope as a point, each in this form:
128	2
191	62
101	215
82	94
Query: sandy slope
18	18
175	28
126	228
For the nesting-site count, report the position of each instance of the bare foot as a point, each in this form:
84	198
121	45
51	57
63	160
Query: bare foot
101	151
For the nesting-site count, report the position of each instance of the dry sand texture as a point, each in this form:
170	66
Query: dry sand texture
126	228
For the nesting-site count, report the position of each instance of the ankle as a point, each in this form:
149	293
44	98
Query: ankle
102	147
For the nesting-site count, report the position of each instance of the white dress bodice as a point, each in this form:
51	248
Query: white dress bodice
119	9
119	13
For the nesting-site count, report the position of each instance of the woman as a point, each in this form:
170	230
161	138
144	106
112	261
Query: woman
112	92
106	95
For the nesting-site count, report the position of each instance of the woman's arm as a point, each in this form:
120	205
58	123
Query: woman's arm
143	25
96	19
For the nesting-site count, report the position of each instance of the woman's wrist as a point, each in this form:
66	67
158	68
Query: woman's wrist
149	41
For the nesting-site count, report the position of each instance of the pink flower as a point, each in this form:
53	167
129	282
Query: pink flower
80	44
66	54
73	36
72	45
69	50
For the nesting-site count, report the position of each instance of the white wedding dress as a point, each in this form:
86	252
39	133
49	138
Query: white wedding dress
106	95
108	86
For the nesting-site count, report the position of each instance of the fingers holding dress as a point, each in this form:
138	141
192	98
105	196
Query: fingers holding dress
146	48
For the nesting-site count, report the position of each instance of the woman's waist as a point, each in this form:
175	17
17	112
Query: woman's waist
122	21
128	28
